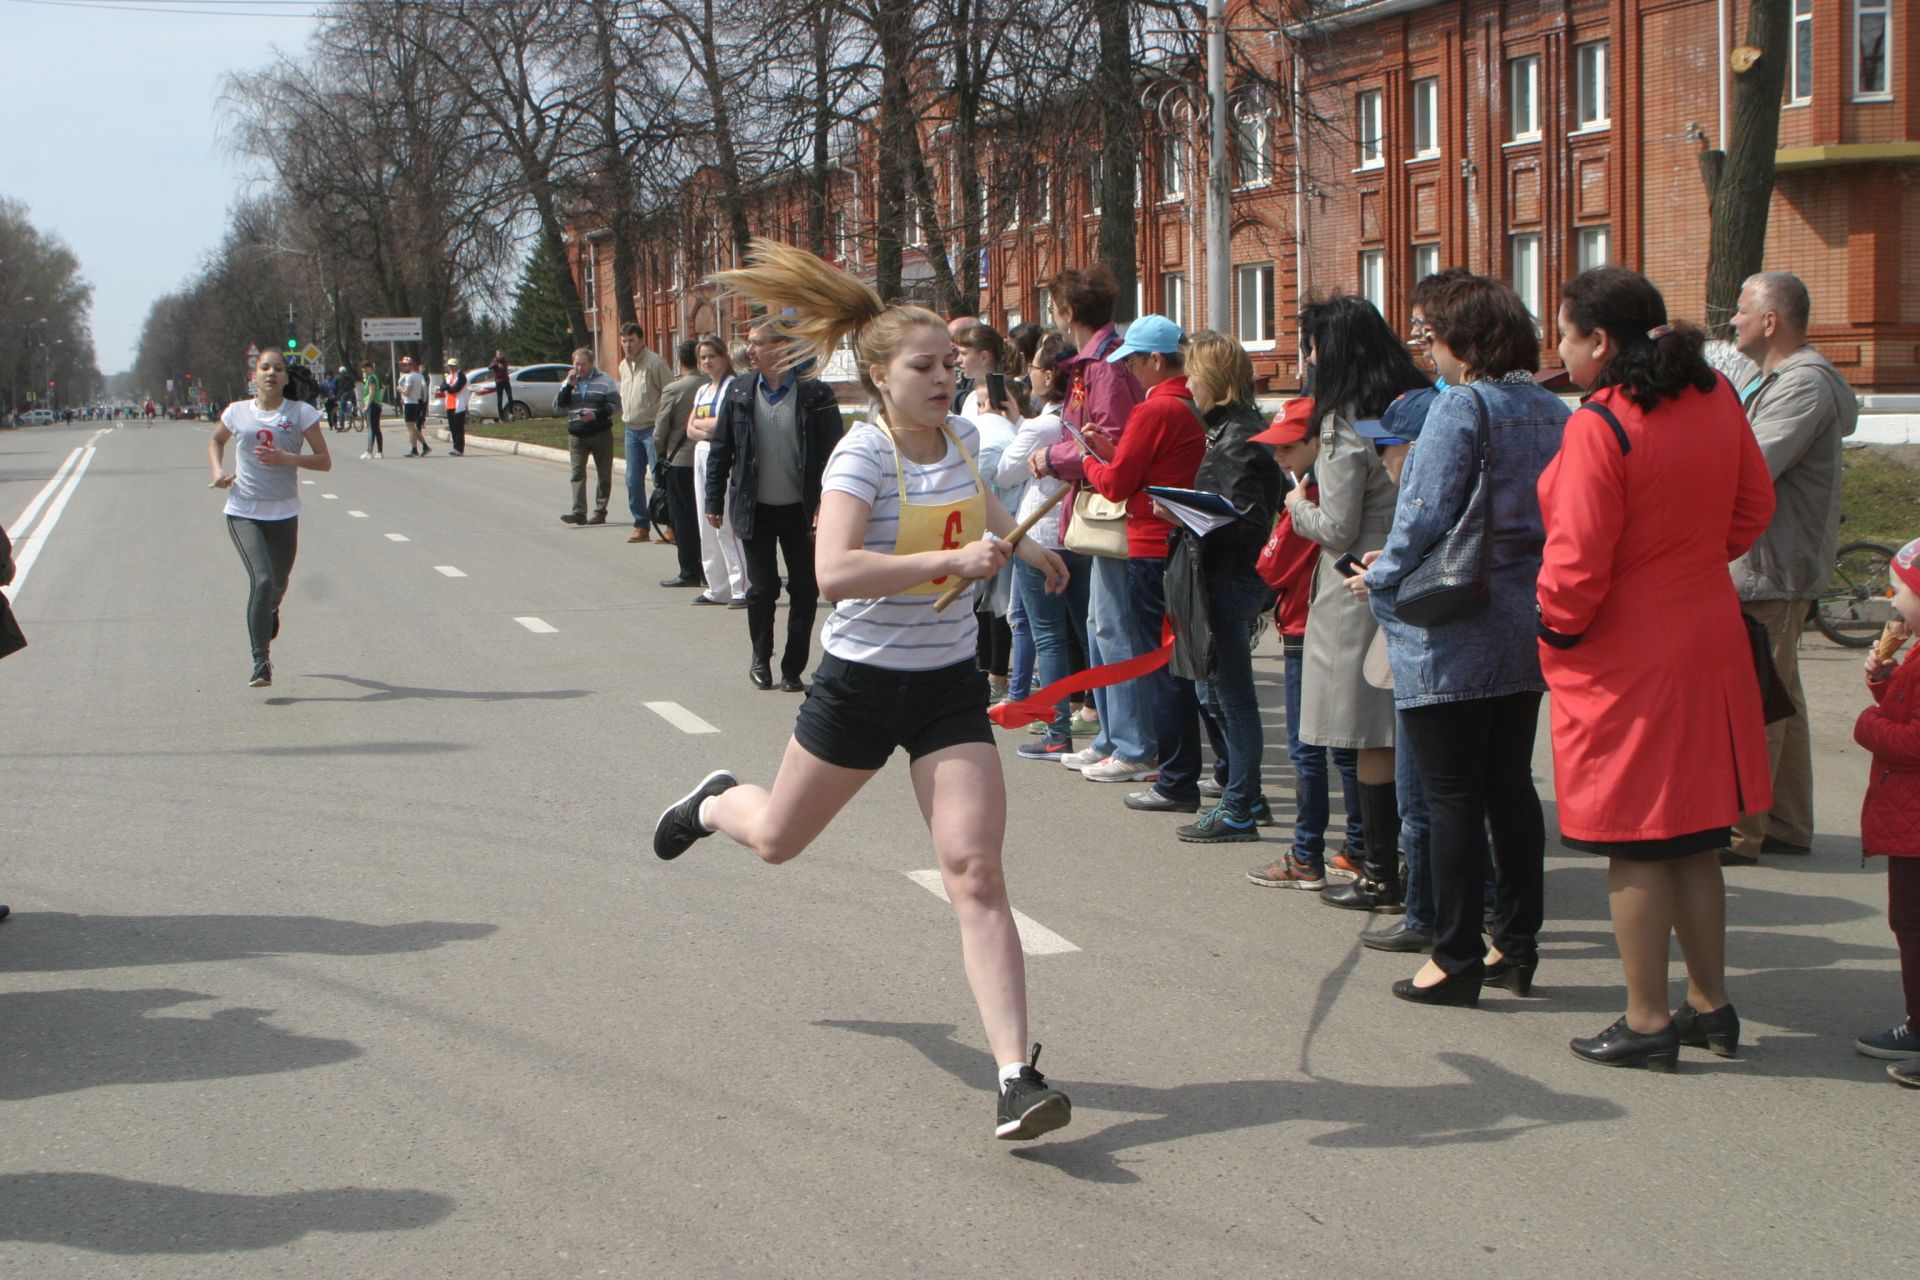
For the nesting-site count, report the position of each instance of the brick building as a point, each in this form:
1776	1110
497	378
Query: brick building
1521	139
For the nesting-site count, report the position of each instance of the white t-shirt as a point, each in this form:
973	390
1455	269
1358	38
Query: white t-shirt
1035	433
266	493
901	633
413	387
706	405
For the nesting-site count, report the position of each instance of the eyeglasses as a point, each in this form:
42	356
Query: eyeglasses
1418	330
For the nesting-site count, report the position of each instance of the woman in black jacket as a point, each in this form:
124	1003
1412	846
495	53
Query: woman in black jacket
1220	376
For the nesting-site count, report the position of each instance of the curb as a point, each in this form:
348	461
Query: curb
488	444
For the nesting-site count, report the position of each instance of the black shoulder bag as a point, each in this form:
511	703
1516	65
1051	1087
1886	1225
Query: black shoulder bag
1454	580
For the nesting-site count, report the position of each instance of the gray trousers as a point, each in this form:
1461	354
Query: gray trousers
267	548
599	447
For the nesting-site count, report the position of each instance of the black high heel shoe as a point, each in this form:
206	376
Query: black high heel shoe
1514	974
1456	990
1718	1031
1621	1046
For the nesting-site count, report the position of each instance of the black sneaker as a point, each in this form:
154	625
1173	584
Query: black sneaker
1029	1106
1219	825
679	824
262	675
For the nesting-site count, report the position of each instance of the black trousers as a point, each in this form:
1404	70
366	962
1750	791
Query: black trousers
790	530
1476	763
683	516
457	428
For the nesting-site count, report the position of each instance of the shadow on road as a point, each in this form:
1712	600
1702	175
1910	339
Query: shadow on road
381	691
65	1041
395	747
1487	1103
118	1215
57	941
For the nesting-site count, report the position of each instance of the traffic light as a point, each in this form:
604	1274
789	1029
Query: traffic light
293	344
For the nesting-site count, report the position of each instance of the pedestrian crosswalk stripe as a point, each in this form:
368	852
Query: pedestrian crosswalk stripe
1035	938
679	717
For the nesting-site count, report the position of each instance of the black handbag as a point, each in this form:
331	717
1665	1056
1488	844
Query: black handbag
659	512
1454	580
1188	610
12	639
1776	704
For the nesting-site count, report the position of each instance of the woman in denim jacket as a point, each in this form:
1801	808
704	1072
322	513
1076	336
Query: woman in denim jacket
1469	690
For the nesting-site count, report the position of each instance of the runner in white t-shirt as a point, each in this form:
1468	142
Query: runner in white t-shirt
263	493
904	515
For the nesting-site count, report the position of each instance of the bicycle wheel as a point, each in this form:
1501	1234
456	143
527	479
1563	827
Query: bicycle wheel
1858	600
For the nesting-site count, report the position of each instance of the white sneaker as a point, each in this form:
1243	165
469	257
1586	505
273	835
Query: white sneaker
1114	769
367	454
1082	758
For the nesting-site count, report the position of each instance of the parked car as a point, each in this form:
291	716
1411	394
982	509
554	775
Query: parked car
532	389
37	418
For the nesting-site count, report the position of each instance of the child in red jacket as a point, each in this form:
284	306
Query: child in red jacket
1890	816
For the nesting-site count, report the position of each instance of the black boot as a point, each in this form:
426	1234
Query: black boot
1379	889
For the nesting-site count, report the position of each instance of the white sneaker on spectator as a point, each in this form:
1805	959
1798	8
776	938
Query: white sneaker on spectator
1114	769
1082	758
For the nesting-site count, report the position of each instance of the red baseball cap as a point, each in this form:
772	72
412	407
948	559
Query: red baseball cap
1906	565
1291	425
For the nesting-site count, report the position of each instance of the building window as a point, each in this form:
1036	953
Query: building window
916	229
1095	178
1043	306
1013	319
1592	247
1373	278
1366	118
1040	204
1523	99
1007	205
1590	85
1253	296
1252	161
1800	70
587	290
1173	297
1871	19
1526	271
1426	261
1426	118
1173	166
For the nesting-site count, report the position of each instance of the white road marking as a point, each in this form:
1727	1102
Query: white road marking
309	482
398	537
1035	938
536	626
358	515
329	495
679	717
46	491
449	570
27	550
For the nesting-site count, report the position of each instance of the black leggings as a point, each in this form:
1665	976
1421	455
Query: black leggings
267	548
373	427
1476	763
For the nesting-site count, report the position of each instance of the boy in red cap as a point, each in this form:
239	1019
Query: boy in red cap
1890	815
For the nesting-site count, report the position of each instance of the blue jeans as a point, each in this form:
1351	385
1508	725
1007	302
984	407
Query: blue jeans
1150	701
639	464
1312	804
1234	600
1124	732
1020	656
1051	619
1415	832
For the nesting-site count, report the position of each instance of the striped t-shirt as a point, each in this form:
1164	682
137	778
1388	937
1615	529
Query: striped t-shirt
902	633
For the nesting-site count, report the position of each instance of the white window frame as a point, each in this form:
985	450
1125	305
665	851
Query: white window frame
1799	94
1527	275
589	282
1173	166
1425	110
1523	88
1426	261
916	223
1043	195
1256	278
1588	113
1369	130
1253	149
1373	279
1864	10
1043	304
1095	175
1585	242
1013	319
1173	296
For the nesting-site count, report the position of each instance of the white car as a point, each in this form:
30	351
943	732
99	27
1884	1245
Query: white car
532	391
39	418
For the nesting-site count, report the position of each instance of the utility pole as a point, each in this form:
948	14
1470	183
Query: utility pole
1219	215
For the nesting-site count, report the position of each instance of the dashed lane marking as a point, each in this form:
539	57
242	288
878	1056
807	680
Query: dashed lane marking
679	717
358	515
309	482
536	626
449	571
1035	938
330	495
398	537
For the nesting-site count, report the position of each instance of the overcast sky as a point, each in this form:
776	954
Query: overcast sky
110	132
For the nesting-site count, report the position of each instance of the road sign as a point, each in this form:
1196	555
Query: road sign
311	352
391	329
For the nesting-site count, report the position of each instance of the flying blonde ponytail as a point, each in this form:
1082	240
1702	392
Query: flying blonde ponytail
811	306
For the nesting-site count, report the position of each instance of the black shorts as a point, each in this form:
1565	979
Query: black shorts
414	413
856	714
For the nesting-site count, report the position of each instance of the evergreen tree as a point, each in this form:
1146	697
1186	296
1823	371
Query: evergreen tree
538	332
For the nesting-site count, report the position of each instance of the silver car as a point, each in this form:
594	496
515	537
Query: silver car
532	390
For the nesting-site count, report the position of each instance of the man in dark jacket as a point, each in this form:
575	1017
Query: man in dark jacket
591	401
770	444
673	472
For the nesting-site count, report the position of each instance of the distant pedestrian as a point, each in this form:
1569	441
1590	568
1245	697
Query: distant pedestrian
643	376
502	375
591	401
1801	409
371	392
722	559
413	407
674	471
457	396
263	499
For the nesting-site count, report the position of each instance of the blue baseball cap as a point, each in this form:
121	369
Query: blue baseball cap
1151	335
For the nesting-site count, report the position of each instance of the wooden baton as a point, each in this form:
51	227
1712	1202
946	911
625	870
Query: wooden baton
1012	540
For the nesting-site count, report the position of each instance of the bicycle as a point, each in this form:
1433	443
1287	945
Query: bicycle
1858	600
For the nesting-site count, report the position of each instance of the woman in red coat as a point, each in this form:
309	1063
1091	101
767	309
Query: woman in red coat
1659	745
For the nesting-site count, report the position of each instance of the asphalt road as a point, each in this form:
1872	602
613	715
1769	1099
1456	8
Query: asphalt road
372	973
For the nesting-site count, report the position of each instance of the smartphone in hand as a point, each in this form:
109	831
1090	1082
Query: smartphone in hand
997	392
1349	566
